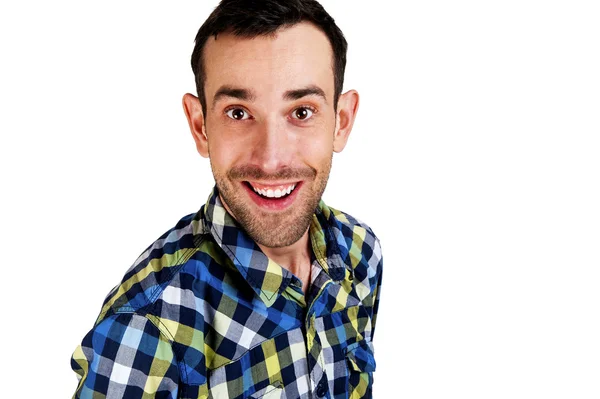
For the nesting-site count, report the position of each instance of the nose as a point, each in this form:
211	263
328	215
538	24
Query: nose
273	147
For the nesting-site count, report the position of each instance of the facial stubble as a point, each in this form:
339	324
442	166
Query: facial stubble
273	230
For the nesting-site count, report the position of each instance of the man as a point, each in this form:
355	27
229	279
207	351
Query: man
265	292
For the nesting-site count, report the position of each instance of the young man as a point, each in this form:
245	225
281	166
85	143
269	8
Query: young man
265	292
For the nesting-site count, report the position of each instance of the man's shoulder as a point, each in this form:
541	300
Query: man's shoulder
352	222
358	236
353	228
155	268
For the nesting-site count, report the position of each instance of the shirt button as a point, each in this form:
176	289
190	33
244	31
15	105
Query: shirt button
322	388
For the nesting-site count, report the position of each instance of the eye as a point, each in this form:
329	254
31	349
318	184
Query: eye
237	114
303	113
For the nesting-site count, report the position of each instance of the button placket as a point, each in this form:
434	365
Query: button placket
316	363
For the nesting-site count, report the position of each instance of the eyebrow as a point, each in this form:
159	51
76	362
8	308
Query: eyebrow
311	90
249	95
235	92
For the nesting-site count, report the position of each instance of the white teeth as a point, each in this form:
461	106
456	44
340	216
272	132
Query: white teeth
278	193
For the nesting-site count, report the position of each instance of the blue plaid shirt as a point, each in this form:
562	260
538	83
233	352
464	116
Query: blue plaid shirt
203	313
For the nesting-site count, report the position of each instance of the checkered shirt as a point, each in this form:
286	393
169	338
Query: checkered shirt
203	313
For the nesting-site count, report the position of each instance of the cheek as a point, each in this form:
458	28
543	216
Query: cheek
317	151
224	149
221	154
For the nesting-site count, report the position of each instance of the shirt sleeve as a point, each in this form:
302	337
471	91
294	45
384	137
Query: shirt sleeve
377	290
125	356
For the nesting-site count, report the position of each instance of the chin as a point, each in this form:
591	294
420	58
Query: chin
278	223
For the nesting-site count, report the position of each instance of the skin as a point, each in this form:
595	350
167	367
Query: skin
270	122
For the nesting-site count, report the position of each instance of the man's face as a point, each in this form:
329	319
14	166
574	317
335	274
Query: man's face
270	125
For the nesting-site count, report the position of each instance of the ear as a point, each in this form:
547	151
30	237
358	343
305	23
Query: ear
195	117
346	112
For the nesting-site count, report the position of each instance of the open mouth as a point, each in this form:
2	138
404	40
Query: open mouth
273	196
274	192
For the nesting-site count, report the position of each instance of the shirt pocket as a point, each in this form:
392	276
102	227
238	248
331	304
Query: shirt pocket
360	362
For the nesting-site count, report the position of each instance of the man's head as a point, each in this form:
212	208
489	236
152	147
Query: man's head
270	112
251	18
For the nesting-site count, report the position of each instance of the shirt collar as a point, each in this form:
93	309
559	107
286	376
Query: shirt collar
264	275
329	243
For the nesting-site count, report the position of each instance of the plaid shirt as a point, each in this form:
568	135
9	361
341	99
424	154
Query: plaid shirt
203	313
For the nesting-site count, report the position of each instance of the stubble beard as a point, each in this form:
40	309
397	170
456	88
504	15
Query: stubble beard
266	228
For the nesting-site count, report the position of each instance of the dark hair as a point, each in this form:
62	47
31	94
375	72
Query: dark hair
251	18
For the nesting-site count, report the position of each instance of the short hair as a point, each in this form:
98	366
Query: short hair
251	18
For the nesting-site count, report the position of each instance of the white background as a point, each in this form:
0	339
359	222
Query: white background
475	158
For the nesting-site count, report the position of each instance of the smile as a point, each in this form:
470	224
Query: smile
273	197
279	191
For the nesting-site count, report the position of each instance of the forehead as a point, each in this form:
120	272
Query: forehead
293	57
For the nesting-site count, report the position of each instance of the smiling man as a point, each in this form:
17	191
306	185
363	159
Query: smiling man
265	292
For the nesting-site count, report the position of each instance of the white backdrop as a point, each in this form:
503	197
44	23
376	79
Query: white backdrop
475	158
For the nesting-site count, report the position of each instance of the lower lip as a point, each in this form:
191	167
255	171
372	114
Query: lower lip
273	204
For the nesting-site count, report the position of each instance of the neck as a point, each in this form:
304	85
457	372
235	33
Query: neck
295	258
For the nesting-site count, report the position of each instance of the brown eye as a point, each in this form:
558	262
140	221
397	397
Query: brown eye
238	114
302	113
